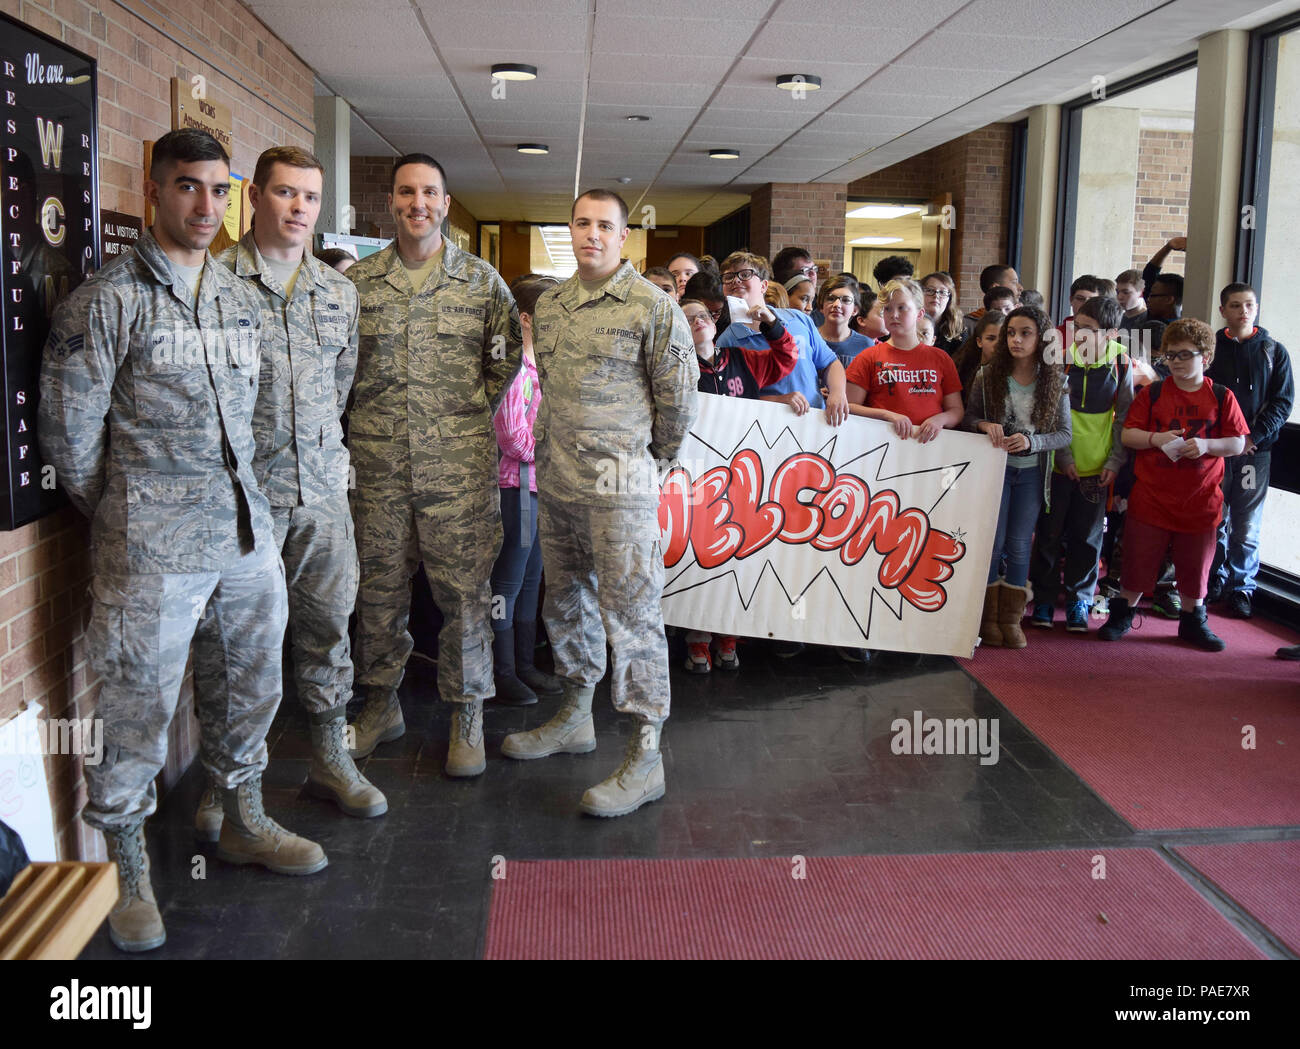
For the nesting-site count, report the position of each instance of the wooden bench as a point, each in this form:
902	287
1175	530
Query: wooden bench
53	909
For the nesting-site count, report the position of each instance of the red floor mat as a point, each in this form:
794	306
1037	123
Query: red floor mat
985	905
1262	876
1156	727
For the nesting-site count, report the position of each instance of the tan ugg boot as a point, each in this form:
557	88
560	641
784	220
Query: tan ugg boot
990	631
249	835
1011	609
134	923
570	731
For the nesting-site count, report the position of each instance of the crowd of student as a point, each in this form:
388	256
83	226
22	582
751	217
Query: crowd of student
1137	439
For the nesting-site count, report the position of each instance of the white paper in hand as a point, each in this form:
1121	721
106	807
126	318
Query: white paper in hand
739	310
1174	449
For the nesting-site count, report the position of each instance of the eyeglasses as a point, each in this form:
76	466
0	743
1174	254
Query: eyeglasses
937	293
739	277
1181	355
810	270
843	300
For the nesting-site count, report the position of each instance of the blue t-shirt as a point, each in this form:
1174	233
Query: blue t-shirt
814	355
850	347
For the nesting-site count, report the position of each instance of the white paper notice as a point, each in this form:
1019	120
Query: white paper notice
24	794
738	309
1174	448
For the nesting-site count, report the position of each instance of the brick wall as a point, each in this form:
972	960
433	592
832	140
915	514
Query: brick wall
975	170
1163	189
809	215
44	567
371	179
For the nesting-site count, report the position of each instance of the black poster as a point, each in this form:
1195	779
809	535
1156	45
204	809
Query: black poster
49	226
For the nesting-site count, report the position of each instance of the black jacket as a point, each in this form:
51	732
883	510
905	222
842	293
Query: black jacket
1264	394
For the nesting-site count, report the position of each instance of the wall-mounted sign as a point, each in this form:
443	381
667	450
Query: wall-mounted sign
49	226
201	113
118	233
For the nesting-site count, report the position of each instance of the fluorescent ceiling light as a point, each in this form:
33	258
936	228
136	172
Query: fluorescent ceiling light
877	242
882	211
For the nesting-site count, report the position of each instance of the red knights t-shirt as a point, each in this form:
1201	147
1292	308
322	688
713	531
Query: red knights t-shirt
1181	496
910	382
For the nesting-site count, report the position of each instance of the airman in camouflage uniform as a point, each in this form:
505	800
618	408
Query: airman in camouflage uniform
147	391
618	365
440	343
309	355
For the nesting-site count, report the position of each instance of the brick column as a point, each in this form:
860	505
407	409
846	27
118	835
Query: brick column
810	215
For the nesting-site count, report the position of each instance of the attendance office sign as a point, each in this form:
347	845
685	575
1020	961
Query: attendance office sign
49	230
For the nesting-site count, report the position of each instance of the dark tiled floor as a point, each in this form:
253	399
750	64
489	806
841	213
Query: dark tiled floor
784	757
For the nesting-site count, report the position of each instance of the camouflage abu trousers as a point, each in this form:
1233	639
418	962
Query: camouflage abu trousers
320	568
604	580
141	626
457	535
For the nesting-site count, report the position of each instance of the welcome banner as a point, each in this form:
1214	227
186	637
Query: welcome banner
777	526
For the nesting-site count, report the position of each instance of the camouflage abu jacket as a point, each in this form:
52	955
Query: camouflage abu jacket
309	355
145	414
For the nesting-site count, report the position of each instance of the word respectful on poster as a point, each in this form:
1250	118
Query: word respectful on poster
48	223
780	526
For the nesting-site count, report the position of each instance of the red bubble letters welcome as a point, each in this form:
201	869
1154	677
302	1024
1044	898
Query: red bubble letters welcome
728	513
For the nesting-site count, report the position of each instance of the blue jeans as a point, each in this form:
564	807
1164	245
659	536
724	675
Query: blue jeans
517	575
1022	498
1245	483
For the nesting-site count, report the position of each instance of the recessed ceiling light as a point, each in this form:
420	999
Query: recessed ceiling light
877	242
532	148
725	154
623	180
513	71
799	82
637	117
882	211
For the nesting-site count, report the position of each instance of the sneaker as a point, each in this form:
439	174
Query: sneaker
787	649
1214	590
1193	627
1239	604
1076	616
855	655
727	658
697	657
1168	604
1120	621
1043	612
1291	652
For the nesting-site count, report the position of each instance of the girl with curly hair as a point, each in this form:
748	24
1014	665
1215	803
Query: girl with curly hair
1020	401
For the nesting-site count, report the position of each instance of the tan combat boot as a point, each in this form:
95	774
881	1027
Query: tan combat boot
207	820
571	731
249	835
334	776
465	754
134	923
638	780
380	721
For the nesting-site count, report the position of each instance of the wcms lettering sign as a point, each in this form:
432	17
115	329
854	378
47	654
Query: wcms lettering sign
780	526
49	229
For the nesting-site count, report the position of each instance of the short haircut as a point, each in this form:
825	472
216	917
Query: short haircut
1105	310
848	283
1031	297
784	263
607	195
998	292
892	266
1086	283
1105	287
907	287
186	146
1235	288
991	276
747	260
660	271
703	287
290	155
1171	280
528	289
417	158
1133	277
1189	329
